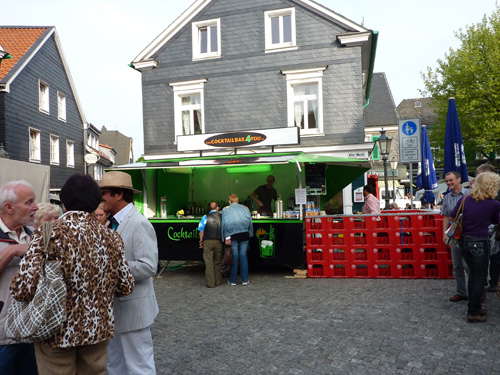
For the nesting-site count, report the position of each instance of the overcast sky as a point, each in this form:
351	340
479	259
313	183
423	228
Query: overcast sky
101	37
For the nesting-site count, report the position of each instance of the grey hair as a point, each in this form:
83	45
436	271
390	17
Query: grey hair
8	192
46	209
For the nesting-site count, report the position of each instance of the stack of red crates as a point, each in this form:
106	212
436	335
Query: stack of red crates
400	245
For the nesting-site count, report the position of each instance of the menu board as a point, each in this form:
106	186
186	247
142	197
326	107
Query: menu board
315	178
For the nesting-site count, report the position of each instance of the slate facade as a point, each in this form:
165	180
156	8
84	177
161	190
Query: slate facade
246	88
20	101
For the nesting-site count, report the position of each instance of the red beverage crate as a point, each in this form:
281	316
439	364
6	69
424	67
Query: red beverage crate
339	270
361	270
336	223
432	270
407	270
429	237
382	238
405	222
316	270
431	254
338	254
384	270
406	254
427	221
383	253
360	254
358	223
315	239
337	238
408	237
380	222
358	238
315	224
316	255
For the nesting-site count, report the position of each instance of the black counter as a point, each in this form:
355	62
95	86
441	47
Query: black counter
275	241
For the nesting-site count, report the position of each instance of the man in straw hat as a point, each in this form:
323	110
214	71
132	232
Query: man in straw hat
131	350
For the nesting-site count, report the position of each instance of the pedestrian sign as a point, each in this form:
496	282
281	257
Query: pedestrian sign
409	141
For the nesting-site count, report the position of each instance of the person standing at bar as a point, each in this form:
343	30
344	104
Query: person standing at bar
453	181
131	350
372	204
237	228
211	242
264	195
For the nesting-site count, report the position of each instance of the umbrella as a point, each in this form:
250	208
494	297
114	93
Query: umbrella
454	155
426	178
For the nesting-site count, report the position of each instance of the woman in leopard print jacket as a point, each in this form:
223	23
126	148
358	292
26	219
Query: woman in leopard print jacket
95	270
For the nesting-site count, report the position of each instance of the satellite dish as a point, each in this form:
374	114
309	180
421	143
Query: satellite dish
91	159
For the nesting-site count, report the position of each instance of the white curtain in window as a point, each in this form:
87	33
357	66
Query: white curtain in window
313	109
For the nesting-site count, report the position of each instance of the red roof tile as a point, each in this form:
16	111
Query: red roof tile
17	41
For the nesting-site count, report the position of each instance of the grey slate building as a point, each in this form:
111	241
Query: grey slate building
227	65
41	119
120	143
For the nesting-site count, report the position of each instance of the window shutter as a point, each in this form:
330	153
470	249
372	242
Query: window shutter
375	152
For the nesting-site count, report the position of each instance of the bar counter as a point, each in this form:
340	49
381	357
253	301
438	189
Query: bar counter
275	241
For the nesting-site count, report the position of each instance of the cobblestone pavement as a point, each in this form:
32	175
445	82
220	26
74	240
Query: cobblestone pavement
319	326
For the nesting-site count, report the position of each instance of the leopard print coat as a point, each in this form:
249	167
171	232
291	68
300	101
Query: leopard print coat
95	270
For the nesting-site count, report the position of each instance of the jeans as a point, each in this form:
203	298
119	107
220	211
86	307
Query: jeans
18	359
476	252
240	256
459	268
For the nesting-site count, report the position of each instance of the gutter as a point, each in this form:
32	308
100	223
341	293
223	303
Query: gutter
373	52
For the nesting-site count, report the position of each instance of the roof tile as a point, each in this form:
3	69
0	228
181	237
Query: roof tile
17	41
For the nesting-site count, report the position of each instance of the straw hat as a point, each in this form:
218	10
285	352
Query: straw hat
120	180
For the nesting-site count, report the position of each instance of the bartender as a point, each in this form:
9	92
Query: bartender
263	195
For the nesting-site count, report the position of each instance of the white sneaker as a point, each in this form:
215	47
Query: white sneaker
245	283
231	284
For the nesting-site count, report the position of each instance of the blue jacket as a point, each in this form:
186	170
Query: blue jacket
236	219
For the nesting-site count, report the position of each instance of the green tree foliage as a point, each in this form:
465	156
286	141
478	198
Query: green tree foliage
470	74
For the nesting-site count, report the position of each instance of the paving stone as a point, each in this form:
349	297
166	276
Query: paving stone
319	326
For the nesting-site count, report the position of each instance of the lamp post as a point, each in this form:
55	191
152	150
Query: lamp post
384	143
394	166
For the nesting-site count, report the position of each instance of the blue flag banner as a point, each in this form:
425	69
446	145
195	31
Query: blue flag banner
426	178
454	155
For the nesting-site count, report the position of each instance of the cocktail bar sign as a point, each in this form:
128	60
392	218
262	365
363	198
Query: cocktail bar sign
264	137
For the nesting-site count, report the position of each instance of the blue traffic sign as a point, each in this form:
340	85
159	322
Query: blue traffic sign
409	128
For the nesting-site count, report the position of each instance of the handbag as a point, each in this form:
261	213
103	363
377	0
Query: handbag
40	318
227	258
455	229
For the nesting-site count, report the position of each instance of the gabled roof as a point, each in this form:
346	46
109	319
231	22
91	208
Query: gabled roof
381	111
145	58
23	43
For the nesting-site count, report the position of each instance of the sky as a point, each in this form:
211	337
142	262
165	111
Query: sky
100	38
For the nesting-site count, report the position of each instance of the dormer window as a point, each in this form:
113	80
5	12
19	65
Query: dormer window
206	39
280	30
418	104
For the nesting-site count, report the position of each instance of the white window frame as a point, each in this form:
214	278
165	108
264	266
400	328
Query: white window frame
98	171
35	154
195	28
281	46
304	76
70	154
43	97
61	106
54	149
187	88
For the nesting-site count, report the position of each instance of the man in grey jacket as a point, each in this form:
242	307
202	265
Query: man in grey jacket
131	350
17	211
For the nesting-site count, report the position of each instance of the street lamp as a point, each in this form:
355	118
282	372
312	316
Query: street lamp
384	143
394	166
